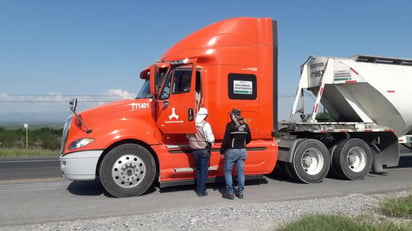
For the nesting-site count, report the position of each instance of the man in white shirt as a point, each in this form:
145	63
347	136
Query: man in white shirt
200	143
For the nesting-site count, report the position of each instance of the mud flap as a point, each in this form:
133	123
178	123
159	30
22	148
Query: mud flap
377	166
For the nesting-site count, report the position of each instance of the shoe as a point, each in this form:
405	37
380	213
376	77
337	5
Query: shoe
239	195
202	194
228	196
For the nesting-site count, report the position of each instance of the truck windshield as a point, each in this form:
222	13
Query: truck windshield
144	91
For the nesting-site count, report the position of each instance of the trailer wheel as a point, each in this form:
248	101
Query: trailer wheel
332	172
127	170
311	161
352	159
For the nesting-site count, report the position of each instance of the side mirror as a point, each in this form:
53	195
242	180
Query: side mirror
73	105
79	121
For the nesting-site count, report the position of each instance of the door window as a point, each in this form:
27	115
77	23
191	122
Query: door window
181	81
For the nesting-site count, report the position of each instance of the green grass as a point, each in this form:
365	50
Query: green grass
336	222
15	152
397	207
395	214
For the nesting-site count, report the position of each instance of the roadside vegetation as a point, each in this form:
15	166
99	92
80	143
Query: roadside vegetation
36	142
393	214
15	152
398	207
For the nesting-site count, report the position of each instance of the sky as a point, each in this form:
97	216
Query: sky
52	51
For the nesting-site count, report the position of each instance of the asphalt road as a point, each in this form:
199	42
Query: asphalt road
50	198
29	168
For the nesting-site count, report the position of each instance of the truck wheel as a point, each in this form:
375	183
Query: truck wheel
127	170
311	161
332	172
352	159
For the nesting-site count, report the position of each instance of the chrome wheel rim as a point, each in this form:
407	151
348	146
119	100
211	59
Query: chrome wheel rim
128	171
312	161
356	159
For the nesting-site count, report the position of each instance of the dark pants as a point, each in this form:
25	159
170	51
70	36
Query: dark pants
202	158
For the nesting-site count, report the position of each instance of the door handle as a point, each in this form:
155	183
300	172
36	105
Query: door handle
190	113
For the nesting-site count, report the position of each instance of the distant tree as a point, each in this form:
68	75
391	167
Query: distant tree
11	138
325	117
43	138
46	138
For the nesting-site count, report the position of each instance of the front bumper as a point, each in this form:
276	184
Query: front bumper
80	165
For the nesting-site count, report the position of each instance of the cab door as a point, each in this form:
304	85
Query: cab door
175	107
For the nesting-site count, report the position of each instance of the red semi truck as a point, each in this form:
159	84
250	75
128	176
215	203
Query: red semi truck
130	144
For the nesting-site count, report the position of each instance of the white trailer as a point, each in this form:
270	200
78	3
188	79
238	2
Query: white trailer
368	99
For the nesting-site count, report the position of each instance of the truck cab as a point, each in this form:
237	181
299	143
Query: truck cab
129	144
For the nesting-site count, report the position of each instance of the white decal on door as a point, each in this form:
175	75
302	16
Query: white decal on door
173	115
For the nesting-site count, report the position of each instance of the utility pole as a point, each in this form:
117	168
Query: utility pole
26	126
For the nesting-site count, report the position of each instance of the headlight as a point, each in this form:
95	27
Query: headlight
80	143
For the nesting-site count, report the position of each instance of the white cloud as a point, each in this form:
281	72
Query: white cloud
54	101
120	93
3	95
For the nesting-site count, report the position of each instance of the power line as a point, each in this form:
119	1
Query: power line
35	95
41	98
52	101
21	98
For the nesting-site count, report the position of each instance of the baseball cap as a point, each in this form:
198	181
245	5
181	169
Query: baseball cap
235	111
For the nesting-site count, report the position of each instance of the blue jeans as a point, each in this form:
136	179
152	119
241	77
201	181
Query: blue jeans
202	158
235	157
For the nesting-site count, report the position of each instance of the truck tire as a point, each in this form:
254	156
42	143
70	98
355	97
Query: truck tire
332	172
352	159
311	162
127	170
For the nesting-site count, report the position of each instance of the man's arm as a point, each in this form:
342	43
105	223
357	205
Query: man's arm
209	137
